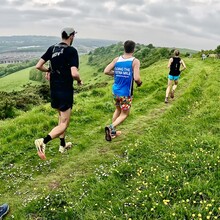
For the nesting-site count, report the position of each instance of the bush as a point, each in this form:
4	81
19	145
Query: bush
37	75
22	100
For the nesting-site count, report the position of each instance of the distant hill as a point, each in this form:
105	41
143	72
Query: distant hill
40	43
22	48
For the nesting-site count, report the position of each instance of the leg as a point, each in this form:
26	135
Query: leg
60	129
123	105
110	129
124	114
59	122
173	88
175	85
116	113
169	84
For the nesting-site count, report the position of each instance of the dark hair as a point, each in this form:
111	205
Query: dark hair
129	46
65	36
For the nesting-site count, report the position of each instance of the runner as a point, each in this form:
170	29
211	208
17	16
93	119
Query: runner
174	74
64	63
125	70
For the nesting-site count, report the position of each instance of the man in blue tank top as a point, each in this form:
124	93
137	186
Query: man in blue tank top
125	70
174	74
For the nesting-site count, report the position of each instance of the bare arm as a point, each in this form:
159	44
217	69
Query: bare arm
75	75
136	70
40	66
183	65
169	63
109	69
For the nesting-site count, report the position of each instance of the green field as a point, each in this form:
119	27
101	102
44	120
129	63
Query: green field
165	165
16	81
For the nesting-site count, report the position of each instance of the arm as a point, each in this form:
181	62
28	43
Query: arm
75	75
169	63
40	66
136	71
109	69
183	65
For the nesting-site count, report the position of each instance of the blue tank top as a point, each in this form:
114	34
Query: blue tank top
123	77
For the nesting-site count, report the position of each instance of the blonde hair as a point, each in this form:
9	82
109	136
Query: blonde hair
176	52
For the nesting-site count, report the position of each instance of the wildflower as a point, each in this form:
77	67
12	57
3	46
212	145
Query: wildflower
166	201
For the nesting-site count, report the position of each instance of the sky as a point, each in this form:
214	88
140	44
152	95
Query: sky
192	24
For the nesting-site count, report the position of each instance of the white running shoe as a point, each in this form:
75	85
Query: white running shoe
39	143
67	147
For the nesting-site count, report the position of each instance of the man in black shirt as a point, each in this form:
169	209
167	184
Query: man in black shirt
174	74
63	69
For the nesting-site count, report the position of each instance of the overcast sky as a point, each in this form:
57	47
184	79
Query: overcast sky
190	24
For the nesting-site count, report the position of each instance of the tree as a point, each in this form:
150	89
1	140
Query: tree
217	50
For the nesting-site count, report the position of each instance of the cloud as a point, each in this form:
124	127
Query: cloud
189	23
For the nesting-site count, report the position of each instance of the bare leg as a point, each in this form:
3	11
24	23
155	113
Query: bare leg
59	130
168	87
175	85
123	115
116	113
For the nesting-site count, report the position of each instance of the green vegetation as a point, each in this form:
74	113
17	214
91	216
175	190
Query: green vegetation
12	68
37	75
100	57
16	81
165	165
14	103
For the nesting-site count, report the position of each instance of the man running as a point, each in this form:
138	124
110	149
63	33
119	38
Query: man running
126	70
63	69
174	64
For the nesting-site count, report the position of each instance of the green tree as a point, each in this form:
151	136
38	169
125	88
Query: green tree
217	50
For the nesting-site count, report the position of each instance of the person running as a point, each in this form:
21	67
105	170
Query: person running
174	64
63	69
126	70
4	210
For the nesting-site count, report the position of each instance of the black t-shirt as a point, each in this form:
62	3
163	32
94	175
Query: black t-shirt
62	57
175	66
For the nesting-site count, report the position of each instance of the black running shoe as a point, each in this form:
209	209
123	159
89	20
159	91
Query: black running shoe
108	134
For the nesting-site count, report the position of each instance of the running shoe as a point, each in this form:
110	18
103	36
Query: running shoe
67	147
108	134
39	143
3	210
172	94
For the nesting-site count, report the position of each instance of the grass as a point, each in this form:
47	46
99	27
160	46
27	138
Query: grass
16	81
165	165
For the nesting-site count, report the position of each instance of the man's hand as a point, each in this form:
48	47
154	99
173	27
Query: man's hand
47	76
80	83
139	84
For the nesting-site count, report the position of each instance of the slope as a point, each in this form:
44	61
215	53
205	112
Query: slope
163	166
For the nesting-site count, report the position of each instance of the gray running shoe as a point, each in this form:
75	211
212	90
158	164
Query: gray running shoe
67	147
39	143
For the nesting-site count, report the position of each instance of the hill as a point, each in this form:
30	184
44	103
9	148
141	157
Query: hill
165	165
21	48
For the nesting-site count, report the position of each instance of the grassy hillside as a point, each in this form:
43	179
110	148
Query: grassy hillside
165	165
16	81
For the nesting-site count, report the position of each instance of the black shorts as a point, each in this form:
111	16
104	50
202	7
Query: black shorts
62	100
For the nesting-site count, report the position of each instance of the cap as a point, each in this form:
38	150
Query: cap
68	31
